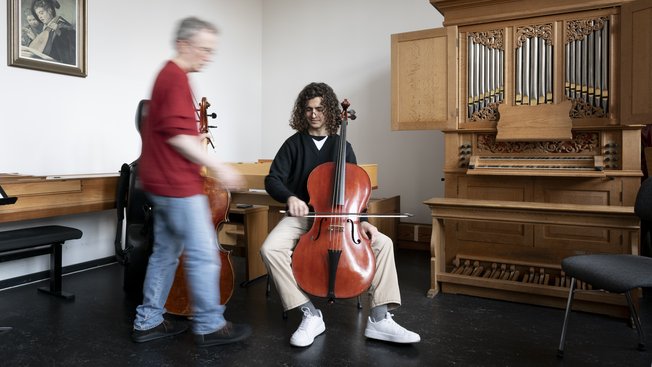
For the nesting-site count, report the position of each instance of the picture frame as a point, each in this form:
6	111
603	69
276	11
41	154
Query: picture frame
48	35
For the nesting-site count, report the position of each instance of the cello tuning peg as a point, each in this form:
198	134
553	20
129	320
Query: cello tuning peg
213	115
352	115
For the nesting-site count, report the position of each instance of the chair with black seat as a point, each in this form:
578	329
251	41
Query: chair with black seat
643	208
612	273
615	273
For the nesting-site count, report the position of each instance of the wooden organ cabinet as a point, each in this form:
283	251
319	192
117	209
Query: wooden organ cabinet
540	103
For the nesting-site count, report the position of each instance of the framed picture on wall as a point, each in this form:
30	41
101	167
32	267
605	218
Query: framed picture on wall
48	35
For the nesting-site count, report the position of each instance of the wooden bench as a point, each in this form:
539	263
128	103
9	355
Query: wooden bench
34	241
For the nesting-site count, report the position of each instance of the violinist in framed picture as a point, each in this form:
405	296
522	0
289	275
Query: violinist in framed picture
316	118
56	40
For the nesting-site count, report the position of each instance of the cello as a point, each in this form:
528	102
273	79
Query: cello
178	302
332	259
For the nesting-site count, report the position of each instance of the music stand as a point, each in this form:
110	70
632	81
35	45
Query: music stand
6	200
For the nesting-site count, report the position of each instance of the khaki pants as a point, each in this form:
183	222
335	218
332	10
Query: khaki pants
277	251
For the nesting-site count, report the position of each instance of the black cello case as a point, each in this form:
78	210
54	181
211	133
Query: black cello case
133	206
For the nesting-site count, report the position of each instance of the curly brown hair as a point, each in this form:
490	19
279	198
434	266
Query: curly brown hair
332	111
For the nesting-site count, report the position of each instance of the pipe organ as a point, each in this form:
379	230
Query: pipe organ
486	82
533	65
587	64
540	103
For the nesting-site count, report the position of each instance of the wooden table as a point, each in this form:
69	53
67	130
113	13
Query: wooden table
50	196
247	229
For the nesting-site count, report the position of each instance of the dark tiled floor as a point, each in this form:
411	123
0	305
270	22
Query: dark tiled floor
456	330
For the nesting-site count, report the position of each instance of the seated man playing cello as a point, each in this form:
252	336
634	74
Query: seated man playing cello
316	118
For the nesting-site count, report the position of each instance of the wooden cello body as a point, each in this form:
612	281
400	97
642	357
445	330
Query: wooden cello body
179	302
332	259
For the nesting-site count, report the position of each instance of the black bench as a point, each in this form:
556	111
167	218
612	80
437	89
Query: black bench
27	242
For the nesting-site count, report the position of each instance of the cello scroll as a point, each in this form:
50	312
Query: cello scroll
203	120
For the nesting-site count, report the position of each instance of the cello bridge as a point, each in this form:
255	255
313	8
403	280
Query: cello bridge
336	228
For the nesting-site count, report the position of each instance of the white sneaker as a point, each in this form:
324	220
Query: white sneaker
388	330
311	326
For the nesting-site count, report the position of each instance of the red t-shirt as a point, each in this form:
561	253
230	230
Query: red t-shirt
162	170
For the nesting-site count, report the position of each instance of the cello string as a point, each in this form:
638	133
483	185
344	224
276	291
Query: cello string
341	181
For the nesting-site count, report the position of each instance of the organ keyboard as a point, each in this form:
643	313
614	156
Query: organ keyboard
589	166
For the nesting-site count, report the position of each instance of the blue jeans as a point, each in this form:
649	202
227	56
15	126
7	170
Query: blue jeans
182	225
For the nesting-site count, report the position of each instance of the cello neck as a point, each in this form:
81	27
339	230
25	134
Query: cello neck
340	162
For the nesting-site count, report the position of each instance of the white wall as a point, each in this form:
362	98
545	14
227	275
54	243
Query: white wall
347	45
268	50
58	124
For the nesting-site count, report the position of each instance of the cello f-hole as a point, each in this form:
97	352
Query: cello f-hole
318	232
355	240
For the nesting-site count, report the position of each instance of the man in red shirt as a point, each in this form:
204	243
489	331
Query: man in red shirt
169	168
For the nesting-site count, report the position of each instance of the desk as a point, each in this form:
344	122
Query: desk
44	197
619	218
247	229
260	197
254	172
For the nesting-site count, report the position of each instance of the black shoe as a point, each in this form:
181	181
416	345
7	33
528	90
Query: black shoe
230	333
164	329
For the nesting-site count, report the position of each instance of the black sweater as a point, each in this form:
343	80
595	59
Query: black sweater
297	157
